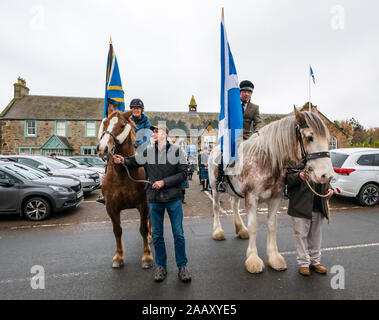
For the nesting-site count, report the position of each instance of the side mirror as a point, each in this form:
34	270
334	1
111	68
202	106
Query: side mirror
6	183
43	167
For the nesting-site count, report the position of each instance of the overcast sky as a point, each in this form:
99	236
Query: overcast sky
169	50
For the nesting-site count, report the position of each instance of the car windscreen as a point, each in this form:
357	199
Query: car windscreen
53	163
79	162
67	163
96	161
25	172
338	159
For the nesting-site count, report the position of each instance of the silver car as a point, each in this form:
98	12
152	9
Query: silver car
90	180
356	174
83	165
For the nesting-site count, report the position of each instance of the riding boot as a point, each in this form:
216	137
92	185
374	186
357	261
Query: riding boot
101	199
220	174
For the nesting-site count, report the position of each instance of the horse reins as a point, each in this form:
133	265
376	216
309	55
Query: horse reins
305	157
111	152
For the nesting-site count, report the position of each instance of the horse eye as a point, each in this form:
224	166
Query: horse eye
310	139
123	126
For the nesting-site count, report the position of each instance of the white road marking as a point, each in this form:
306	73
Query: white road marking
78	274
354	246
53	276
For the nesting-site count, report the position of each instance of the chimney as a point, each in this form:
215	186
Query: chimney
20	88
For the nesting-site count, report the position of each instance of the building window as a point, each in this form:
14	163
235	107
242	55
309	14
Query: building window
333	142
58	152
30	128
29	150
60	128
90	131
88	150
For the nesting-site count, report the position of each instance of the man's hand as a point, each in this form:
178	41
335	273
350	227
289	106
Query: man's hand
302	175
118	159
158	184
330	192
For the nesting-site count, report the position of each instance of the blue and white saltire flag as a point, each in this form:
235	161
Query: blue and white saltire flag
312	75
231	117
113	85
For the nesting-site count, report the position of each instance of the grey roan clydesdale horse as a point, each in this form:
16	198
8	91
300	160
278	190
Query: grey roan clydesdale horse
259	175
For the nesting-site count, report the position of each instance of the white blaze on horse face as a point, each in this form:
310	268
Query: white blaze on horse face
105	139
124	134
322	167
101	129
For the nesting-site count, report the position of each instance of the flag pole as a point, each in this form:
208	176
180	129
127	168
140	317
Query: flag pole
309	78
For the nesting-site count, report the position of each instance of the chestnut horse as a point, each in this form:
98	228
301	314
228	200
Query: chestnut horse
116	135
259	175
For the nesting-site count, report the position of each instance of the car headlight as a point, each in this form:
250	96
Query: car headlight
84	176
60	189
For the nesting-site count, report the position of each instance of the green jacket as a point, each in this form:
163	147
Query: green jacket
252	120
301	197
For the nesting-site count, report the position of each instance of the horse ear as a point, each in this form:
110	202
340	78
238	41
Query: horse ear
127	114
315	110
110	109
300	119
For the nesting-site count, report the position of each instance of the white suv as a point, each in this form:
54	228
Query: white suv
356	174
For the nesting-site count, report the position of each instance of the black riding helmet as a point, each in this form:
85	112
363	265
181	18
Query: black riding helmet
136	103
246	85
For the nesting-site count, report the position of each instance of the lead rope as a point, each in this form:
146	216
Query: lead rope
128	173
307	172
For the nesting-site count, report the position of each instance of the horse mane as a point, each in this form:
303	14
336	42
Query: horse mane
277	144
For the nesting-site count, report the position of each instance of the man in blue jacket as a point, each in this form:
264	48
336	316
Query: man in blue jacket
165	166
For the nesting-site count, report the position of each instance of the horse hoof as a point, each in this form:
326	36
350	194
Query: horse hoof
243	234
219	235
254	264
147	264
277	262
117	264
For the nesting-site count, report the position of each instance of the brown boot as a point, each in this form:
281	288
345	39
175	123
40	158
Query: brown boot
319	268
304	271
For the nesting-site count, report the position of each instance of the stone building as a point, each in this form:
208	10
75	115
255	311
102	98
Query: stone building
36	124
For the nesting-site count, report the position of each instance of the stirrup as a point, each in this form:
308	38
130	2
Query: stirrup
220	187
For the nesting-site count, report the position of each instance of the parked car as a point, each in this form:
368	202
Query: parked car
89	180
33	193
83	165
92	160
357	174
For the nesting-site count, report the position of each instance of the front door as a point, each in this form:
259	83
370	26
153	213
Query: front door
9	196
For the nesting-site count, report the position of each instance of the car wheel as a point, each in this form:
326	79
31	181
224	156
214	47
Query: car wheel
369	195
37	209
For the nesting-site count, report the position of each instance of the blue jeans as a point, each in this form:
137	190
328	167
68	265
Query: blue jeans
175	212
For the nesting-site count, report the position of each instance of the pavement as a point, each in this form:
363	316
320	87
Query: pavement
76	247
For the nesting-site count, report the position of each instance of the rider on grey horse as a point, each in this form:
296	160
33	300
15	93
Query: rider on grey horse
252	122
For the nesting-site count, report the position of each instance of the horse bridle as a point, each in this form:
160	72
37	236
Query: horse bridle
111	152
117	143
304	155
